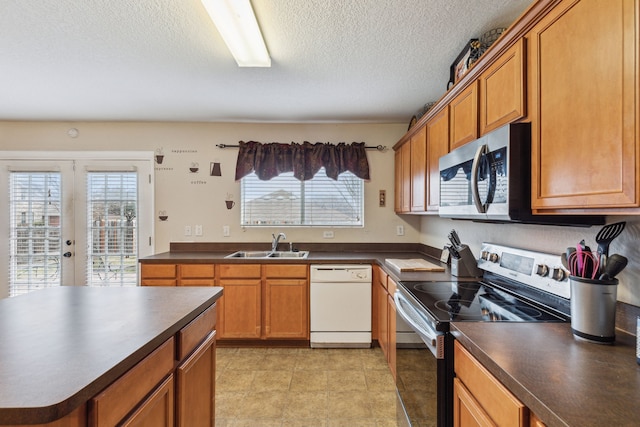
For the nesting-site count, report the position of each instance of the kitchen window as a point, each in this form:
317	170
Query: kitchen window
287	201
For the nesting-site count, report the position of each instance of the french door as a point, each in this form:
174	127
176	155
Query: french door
74	219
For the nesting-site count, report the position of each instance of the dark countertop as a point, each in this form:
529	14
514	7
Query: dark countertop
315	257
61	346
564	381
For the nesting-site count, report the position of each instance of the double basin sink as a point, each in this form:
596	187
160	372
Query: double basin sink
269	254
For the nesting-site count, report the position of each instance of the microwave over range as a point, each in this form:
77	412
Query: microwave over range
489	179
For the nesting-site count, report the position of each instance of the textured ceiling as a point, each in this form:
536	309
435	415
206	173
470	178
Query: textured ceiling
332	60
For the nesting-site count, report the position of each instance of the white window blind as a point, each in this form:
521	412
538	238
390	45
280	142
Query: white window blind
35	214
286	201
112	200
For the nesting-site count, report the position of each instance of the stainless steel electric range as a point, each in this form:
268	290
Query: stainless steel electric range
516	286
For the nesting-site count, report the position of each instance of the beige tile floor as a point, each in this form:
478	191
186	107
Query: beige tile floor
303	387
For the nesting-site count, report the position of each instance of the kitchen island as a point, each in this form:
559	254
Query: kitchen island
73	351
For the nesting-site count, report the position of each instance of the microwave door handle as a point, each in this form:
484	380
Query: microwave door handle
475	192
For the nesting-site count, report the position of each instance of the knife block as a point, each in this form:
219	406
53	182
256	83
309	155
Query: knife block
466	265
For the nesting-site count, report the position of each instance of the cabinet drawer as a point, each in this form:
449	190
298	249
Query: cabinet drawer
197	270
111	405
240	270
285	270
495	399
392	286
196	331
382	277
196	282
159	282
158	270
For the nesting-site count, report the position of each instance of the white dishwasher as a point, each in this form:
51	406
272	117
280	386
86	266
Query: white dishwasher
340	306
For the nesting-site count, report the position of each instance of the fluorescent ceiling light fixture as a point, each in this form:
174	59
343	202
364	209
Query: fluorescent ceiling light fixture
239	28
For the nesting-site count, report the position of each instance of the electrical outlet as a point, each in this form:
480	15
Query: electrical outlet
225	231
382	198
327	234
400	230
187	230
198	230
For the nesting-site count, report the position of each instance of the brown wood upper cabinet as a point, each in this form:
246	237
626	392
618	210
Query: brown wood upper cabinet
403	179
463	117
419	170
437	146
584	107
502	90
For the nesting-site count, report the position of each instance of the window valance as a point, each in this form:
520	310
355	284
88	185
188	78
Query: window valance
304	160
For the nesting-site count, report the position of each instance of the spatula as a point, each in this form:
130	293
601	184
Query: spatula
604	238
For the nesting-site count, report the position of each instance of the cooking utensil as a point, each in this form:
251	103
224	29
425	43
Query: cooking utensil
564	260
604	238
615	264
455	240
583	264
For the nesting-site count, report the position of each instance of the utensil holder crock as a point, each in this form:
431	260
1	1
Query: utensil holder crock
593	309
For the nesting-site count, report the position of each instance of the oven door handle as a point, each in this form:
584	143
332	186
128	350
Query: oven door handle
433	339
475	191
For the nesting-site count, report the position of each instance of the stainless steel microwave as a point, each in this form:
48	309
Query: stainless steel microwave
489	179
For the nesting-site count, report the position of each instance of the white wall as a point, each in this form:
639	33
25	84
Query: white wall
199	199
551	239
191	199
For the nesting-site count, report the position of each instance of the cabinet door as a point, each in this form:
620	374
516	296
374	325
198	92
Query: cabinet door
437	146
383	321
156	410
463	117
406	177
195	391
467	412
397	196
391	319
240	308
500	405
585	105
502	90
286	308
418	166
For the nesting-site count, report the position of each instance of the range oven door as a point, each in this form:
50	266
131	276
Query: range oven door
424	372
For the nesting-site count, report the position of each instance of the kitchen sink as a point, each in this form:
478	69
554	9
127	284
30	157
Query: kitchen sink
286	254
269	254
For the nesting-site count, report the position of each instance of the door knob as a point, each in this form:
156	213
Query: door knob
67	254
68	242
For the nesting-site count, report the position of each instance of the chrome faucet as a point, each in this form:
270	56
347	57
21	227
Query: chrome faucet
276	240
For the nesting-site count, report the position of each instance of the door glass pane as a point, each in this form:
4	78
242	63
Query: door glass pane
35	219
112	208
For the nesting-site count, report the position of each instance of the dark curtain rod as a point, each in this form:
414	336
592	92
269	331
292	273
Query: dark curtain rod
367	147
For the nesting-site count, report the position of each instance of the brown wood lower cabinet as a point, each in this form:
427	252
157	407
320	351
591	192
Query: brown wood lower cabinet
386	316
154	393
479	399
269	301
195	385
156	410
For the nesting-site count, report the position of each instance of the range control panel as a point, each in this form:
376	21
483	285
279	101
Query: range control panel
537	269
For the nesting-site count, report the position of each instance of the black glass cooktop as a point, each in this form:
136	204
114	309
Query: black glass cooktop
475	301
